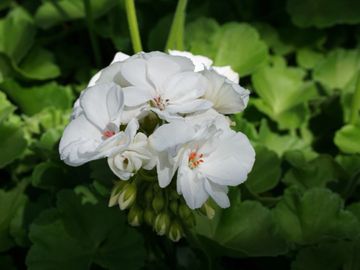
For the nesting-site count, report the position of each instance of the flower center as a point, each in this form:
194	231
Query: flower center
159	103
195	159
108	133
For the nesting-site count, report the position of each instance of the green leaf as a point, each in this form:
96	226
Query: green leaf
347	139
245	229
282	143
6	108
323	13
272	39
332	256
34	99
308	58
78	235
317	172
12	143
17	32
338	68
283	94
350	163
234	44
51	13
10	202
266	172
38	65
314	216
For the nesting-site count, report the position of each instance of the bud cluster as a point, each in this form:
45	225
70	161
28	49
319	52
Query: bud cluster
162	209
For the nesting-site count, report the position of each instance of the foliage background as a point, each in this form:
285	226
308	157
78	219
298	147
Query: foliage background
299	208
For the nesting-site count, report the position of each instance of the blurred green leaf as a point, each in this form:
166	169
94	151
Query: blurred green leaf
338	68
266	172
17	32
323	13
283	94
10	202
317	172
12	143
6	108
245	229
78	235
54	12
314	216
332	256
348	139
6	262
38	65
234	44
34	99
308	58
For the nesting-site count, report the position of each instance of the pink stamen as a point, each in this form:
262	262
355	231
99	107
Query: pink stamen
195	159
108	133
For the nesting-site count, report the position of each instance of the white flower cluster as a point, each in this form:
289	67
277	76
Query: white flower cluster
192	139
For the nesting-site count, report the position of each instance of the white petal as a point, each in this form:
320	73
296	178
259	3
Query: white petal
119	57
135	72
161	68
184	86
231	161
135	96
218	193
228	72
132	128
165	169
191	186
190	107
97	105
94	79
198	60
227	97
171	135
79	142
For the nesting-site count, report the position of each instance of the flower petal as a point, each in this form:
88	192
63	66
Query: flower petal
135	96
218	193
228	72
199	61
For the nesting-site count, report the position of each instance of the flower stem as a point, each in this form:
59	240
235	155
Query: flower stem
176	35
133	25
90	26
355	106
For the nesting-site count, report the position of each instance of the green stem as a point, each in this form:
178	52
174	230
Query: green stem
133	25
176	35
355	106
90	25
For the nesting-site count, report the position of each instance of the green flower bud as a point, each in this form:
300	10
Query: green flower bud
127	196
158	203
184	211
115	193
173	195
135	216
174	206
175	232
207	210
162	223
149	216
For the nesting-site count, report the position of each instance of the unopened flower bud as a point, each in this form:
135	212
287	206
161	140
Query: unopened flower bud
158	203
208	210
115	193
174	206
162	223
127	196
175	232
184	211
135	216
149	216
173	195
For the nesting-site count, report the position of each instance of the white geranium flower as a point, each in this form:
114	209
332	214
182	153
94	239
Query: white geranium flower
137	155
203	62
94	133
227	97
207	159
